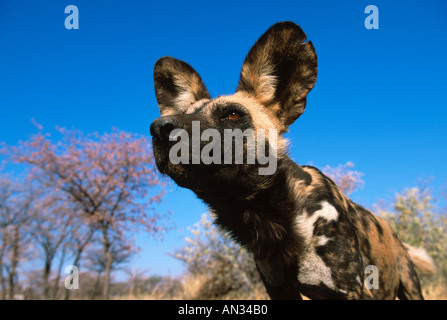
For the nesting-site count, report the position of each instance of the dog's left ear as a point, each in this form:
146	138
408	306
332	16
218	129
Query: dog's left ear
280	70
177	86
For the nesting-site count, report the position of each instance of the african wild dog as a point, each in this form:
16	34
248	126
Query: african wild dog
306	236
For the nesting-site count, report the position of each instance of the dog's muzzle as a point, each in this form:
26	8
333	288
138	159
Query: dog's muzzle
163	126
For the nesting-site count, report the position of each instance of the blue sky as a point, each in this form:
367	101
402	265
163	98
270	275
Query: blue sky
379	101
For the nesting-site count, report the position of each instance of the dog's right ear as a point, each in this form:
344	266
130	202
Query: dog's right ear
177	86
280	70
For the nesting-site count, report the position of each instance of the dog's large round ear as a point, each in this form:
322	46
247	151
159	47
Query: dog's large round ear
177	86
280	70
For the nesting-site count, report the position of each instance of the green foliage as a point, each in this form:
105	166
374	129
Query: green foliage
418	221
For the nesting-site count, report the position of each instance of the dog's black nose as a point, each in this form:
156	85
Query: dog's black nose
162	127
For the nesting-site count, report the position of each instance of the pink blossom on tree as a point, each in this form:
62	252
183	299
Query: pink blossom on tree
109	180
345	178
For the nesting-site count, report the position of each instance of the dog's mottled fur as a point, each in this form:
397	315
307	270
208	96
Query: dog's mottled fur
306	236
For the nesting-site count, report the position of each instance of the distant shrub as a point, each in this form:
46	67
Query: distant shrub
228	268
418	221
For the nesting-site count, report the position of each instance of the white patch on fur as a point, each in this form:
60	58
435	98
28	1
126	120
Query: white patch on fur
305	223
359	280
313	270
322	240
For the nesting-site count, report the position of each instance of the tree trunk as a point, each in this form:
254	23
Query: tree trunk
2	278
58	276
2	282
46	277
11	286
108	270
14	263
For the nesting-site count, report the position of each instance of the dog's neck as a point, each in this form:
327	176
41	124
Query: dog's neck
262	216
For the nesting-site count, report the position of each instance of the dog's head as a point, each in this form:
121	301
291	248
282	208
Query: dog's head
199	141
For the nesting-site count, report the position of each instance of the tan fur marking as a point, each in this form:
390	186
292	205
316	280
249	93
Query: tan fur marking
262	117
263	80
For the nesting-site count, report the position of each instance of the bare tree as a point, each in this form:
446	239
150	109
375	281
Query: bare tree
16	208
50	224
120	253
81	236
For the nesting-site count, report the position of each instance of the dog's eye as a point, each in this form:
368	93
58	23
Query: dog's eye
233	115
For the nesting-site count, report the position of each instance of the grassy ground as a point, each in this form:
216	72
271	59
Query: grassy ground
191	286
